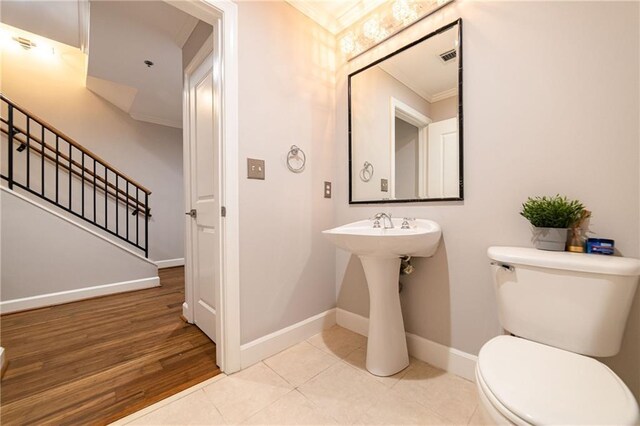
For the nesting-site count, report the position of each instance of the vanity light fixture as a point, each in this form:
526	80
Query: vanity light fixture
385	21
372	30
403	12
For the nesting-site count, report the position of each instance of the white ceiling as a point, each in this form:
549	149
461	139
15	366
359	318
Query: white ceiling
125	34
421	69
55	20
335	15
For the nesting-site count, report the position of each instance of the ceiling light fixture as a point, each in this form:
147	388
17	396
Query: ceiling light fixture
385	21
25	43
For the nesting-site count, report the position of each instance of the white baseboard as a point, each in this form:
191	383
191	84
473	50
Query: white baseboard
354	322
170	263
449	359
58	298
271	344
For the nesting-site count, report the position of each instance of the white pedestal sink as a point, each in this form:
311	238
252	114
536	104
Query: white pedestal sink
379	250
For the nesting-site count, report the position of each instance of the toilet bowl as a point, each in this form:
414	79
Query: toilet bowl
564	308
527	383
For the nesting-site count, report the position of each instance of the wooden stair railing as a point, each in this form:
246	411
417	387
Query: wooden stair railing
124	205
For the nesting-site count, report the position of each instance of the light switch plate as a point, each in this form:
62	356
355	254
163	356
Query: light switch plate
384	185
327	190
255	169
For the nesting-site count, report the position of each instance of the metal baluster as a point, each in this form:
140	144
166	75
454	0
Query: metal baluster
94	191
126	214
106	198
10	151
28	150
70	174
146	224
42	162
117	204
82	193
137	217
57	165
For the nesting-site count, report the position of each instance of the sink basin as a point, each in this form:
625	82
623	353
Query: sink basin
379	251
362	239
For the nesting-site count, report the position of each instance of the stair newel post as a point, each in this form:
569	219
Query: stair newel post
146	224
10	151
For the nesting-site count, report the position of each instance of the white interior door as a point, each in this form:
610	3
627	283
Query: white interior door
204	197
443	159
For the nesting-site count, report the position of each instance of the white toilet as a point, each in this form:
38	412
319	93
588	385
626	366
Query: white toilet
563	307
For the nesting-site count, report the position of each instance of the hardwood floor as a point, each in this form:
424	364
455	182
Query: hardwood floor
97	360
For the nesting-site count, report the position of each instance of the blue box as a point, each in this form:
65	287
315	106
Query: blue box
600	246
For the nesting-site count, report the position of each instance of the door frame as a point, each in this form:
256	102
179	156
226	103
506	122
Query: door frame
223	16
398	109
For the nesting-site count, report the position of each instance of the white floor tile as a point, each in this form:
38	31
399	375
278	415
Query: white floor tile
395	409
449	396
292	409
300	363
243	394
193	409
343	393
338	341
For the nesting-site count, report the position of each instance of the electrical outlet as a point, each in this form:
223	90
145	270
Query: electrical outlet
255	169
384	185
327	190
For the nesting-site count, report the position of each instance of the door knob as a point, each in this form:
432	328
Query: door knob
192	213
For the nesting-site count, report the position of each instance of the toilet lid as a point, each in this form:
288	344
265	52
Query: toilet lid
545	385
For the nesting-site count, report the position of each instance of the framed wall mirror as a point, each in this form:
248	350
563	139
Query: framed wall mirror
405	123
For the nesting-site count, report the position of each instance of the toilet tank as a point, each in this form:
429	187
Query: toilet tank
573	301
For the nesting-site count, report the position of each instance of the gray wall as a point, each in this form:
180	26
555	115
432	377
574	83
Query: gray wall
54	90
371	92
285	97
42	254
532	74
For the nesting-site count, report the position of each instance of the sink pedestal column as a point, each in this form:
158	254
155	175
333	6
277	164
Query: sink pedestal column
387	343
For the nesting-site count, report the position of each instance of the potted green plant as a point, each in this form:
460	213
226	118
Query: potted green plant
551	218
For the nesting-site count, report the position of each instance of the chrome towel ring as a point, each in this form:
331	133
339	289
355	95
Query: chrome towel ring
367	172
296	154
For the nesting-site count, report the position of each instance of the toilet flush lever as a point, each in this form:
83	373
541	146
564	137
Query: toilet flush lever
504	266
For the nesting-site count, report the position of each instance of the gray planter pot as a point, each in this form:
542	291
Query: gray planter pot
553	239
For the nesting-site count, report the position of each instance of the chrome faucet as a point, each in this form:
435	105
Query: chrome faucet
384	217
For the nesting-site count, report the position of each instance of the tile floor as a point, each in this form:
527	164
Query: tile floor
321	381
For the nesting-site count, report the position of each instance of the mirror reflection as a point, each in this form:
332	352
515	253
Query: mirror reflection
405	132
